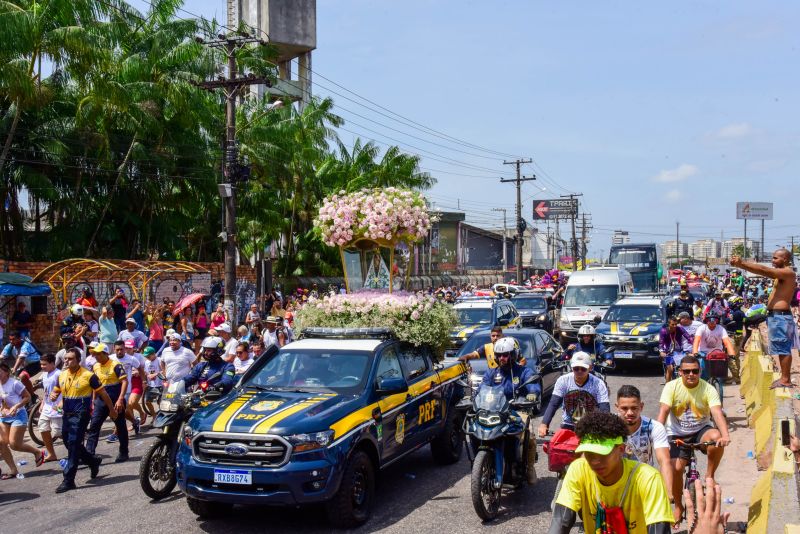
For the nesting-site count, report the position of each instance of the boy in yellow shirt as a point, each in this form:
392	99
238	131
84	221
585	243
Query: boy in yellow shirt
612	494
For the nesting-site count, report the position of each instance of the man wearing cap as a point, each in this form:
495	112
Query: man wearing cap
224	331
580	392
176	360
115	382
131	332
268	335
68	341
632	495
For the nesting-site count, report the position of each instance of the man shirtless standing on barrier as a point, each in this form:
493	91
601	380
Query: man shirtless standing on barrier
780	322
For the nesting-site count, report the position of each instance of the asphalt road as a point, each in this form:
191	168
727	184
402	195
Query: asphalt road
414	495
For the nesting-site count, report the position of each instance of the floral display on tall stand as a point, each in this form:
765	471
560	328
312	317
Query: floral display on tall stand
367	224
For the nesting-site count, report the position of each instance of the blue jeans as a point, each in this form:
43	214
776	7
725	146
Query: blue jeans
73	432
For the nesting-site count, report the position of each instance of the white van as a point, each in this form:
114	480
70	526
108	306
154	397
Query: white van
588	295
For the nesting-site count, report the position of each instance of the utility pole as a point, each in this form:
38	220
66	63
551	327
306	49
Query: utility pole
574	216
505	258
233	170
584	229
520	222
678	242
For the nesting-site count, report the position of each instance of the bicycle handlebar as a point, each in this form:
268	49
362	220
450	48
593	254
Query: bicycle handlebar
680	443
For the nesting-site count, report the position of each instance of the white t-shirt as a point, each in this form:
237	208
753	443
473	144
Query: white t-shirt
711	339
11	392
177	363
691	330
130	362
153	366
269	338
575	396
136	335
230	349
641	445
242	365
49	381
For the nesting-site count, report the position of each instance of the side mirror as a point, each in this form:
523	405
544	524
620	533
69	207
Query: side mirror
391	386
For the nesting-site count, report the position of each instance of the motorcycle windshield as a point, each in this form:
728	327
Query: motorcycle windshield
491	399
178	388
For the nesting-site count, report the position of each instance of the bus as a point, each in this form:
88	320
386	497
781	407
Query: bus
641	260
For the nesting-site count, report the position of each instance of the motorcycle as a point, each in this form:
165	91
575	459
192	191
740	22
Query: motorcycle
599	370
497	440
157	468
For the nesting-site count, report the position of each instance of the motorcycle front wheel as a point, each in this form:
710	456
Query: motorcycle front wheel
157	471
485	497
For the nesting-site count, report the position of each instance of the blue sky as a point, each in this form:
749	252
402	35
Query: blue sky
656	112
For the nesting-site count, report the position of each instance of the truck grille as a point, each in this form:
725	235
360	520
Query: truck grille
241	449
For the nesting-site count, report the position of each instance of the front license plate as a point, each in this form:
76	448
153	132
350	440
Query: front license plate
624	355
233	476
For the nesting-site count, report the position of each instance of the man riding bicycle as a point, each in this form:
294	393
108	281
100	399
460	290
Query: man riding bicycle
687	407
670	346
509	375
580	392
710	337
589	343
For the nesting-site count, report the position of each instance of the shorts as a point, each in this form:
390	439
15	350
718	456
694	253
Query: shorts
202	333
782	334
33	369
21	419
136	385
683	453
50	424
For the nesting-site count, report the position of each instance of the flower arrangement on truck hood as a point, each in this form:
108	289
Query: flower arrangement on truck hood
415	318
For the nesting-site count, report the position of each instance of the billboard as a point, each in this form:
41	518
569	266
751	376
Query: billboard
560	208
760	211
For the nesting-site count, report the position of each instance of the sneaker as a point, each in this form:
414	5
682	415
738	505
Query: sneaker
121	458
65	486
95	467
112	438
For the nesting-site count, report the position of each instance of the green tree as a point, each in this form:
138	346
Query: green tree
739	250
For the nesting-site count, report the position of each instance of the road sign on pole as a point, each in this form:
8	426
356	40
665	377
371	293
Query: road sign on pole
754	210
559	208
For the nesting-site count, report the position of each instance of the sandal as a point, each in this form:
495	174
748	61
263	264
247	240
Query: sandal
779	384
40	459
7	476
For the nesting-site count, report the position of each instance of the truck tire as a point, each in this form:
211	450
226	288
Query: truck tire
207	509
351	506
447	446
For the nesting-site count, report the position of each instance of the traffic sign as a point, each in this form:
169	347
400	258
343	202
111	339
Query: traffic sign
560	208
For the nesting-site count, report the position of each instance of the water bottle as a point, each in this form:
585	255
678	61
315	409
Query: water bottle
729	500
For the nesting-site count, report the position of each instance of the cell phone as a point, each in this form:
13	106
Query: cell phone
785	433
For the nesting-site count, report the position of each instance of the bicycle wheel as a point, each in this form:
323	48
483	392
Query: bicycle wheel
33	424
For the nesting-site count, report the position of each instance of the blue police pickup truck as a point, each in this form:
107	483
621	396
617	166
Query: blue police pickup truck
317	420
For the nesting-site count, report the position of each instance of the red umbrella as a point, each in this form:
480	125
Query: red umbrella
187	301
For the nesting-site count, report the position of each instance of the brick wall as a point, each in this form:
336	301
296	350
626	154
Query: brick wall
45	332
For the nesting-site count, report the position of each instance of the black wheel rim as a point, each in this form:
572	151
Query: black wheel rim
489	495
161	468
359	488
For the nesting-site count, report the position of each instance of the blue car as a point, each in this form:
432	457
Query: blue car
631	327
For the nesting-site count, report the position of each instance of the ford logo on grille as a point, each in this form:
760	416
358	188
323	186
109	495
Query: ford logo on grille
237	449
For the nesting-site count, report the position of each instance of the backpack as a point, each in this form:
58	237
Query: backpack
560	450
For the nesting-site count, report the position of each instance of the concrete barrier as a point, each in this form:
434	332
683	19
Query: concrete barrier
774	502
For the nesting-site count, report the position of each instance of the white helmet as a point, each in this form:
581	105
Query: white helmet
586	330
506	345
213	342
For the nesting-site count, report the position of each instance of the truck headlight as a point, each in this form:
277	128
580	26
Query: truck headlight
564	322
188	433
542	317
654	337
310	441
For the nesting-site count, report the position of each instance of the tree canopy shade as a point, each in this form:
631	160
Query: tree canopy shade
108	149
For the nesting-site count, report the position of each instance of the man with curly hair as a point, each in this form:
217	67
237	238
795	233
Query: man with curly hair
612	494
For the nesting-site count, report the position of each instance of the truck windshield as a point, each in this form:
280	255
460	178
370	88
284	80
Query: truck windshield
342	371
633	259
630	314
590	295
468	316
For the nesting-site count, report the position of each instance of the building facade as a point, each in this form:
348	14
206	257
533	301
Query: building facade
753	247
670	250
705	248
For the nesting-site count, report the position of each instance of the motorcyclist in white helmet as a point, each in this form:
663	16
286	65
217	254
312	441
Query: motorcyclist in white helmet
589	343
213	370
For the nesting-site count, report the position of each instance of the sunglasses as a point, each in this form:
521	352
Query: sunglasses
580	369
690	371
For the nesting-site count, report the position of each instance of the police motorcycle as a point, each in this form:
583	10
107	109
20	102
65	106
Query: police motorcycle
157	468
498	438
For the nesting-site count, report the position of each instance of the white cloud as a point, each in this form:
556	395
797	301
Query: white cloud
676	175
734	131
673	195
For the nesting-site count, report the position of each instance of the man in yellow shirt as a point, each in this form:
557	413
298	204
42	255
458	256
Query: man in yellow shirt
612	494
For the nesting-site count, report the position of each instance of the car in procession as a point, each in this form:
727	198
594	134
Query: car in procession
315	421
480	312
631	327
534	311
